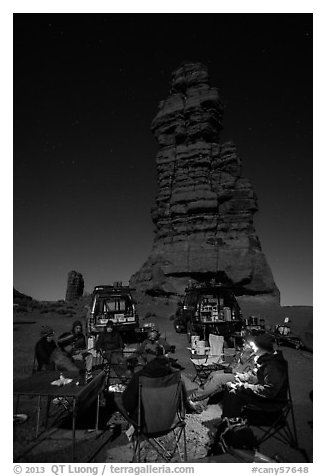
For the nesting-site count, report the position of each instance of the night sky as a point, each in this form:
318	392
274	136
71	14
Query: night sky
86	88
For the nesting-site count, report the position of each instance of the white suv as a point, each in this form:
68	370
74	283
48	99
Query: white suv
113	303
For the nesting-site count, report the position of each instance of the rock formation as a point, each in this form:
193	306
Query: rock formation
75	286
204	208
19	297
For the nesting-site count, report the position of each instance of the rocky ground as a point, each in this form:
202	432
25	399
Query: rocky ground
113	445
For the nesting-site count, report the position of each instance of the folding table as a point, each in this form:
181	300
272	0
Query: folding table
39	385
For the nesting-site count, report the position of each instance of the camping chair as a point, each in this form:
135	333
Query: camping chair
115	373
160	413
273	421
206	364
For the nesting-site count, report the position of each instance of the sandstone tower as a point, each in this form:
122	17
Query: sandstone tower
75	286
204	208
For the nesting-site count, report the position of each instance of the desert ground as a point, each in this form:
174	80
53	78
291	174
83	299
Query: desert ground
112	444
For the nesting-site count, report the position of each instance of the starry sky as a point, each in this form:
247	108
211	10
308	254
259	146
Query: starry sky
86	88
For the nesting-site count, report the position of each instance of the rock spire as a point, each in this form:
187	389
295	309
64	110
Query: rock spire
204	208
75	286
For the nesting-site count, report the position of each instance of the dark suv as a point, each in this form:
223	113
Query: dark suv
114	303
208	309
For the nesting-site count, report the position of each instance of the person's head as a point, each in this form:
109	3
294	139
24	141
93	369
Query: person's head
65	341
77	327
153	335
247	340
47	333
109	326
262	344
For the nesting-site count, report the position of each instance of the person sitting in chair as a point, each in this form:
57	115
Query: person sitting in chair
79	343
44	348
62	356
240	369
270	385
159	366
111	345
79	352
148	348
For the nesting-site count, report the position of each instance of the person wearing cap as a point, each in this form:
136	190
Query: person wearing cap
241	369
79	343
149	346
270	385
44	348
62	357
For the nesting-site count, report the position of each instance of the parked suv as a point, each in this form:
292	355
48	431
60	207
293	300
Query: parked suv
113	303
208	309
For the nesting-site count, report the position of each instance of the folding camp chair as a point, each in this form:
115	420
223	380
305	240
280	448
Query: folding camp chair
120	372
160	415
273	421
206	364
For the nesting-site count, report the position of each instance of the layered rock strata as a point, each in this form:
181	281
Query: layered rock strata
204	208
75	286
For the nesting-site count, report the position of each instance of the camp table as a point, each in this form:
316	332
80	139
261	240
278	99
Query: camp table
39	385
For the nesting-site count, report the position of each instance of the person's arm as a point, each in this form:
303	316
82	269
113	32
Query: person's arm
165	345
82	342
130	395
243	377
62	362
274	379
41	353
142	347
121	343
98	343
79	345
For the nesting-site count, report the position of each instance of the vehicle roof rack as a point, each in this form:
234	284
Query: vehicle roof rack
201	285
112	288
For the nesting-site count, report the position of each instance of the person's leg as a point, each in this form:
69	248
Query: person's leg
235	399
188	384
231	403
84	361
118	363
214	384
108	356
79	361
88	358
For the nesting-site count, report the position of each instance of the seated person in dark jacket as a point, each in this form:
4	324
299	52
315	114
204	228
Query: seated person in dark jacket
269	387
110	343
79	343
150	345
240	369
44	348
79	351
62	355
159	366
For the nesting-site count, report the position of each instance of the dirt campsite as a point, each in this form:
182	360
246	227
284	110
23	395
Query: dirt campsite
112	443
